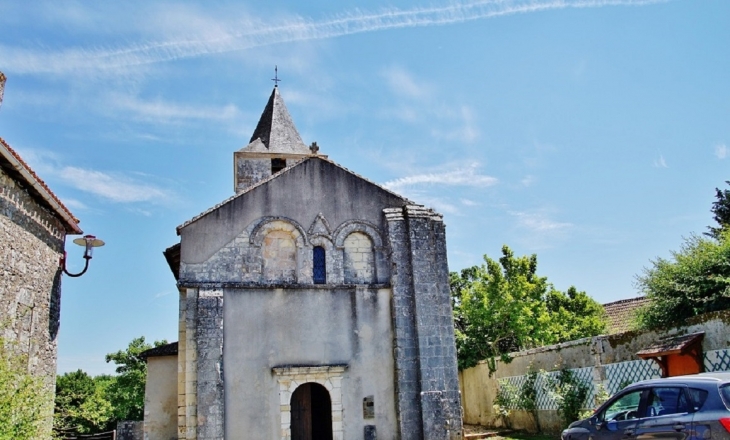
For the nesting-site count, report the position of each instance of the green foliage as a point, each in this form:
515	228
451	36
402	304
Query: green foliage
570	394
721	212
24	400
126	393
501	307
695	280
505	401
89	405
82	406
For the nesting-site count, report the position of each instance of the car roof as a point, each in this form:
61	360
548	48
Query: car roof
701	378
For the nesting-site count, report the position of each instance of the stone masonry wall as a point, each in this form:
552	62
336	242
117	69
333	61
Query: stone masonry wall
209	374
359	259
31	244
250	171
276	250
429	404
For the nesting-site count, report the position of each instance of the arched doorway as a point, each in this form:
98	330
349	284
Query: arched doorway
311	413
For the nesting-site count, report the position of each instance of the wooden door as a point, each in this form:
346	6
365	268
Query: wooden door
311	413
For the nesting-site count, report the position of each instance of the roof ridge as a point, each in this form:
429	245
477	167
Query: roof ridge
69	217
274	176
245	191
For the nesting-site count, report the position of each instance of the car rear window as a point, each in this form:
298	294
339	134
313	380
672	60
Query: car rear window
725	393
698	397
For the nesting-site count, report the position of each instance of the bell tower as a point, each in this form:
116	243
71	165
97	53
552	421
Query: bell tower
274	145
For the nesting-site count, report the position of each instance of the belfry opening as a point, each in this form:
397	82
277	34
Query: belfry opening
311	413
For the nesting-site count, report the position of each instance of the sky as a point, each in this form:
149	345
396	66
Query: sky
592	133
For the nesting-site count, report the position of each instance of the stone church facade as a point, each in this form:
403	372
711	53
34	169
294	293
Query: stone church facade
314	304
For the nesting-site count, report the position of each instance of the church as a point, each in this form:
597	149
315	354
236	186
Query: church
314	305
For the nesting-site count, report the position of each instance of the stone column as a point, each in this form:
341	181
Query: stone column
189	364
427	386
407	379
209	348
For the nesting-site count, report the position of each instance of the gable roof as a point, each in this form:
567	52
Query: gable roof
275	132
278	175
20	170
163	350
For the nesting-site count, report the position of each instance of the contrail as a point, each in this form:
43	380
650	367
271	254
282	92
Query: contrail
297	29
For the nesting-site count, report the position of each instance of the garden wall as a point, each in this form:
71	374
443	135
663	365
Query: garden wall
609	361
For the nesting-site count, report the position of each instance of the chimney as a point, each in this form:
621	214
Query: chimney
2	87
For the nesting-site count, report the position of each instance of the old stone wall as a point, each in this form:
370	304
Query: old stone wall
610	361
428	401
279	250
130	430
278	339
31	244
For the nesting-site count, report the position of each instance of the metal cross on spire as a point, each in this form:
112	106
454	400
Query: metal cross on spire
276	76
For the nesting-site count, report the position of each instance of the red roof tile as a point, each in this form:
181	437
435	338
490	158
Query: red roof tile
621	313
40	187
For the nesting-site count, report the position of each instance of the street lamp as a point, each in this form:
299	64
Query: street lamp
89	242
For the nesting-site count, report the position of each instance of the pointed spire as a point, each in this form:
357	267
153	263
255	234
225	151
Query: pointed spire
276	129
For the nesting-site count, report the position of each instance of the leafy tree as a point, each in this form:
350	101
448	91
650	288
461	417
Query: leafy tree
721	212
695	280
24	399
126	393
82	406
574	315
501	307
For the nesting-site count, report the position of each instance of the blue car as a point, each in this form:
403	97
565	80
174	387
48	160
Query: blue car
695	407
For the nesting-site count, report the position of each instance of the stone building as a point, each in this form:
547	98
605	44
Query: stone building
33	228
314	304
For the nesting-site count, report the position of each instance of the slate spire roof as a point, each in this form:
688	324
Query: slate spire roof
275	130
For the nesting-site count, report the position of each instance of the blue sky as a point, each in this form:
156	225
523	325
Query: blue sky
592	133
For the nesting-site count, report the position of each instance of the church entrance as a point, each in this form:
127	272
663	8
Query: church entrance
311	413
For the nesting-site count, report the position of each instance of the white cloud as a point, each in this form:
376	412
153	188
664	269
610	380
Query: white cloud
462	176
539	222
527	180
116	188
161	111
467	202
74	204
235	33
467	130
660	162
404	84
721	151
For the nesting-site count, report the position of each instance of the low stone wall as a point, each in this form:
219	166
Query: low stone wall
609	361
130	430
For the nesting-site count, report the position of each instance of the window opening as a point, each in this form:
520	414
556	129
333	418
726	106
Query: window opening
277	165
319	270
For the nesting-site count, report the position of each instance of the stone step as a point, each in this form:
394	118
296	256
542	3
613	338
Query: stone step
480	435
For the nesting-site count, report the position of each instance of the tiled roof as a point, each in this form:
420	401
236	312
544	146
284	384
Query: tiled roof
163	350
621	313
38	187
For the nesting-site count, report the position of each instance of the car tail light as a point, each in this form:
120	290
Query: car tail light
725	422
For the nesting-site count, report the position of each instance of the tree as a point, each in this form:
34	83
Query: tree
501	307
721	212
24	400
126	393
82	406
695	280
